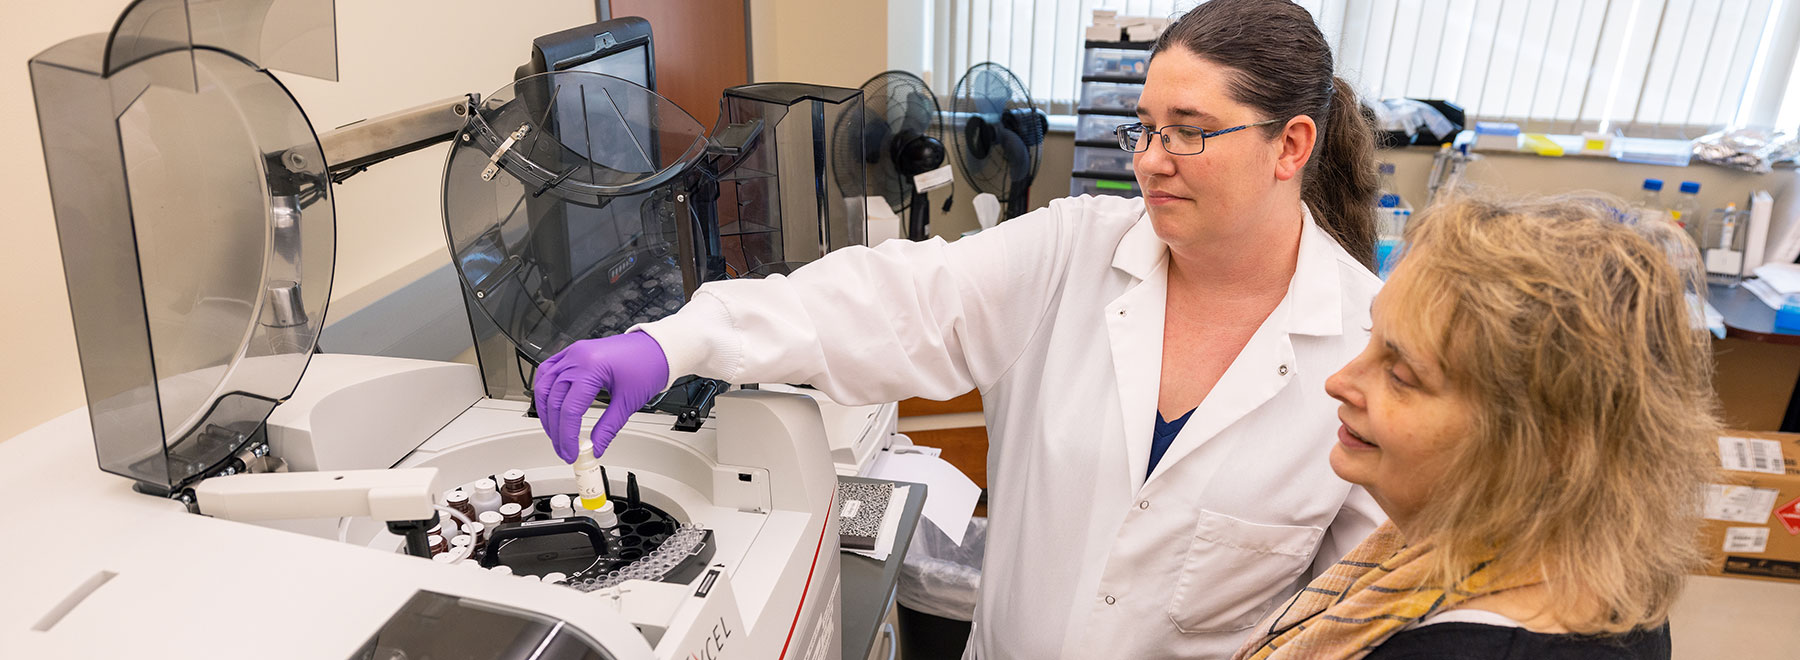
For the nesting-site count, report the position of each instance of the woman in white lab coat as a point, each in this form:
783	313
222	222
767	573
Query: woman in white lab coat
1222	300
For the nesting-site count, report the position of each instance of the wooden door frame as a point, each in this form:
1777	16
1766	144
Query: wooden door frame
603	12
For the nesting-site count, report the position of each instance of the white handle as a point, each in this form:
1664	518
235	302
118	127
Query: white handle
385	495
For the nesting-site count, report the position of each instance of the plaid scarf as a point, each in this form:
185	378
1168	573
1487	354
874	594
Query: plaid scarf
1366	598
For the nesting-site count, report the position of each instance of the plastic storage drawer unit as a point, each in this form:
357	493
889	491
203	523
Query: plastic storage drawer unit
1082	185
1110	96
1103	160
1116	63
1099	128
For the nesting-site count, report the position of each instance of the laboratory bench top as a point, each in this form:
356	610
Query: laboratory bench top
1746	317
868	585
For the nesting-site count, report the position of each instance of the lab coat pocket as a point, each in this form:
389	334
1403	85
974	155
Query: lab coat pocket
1236	571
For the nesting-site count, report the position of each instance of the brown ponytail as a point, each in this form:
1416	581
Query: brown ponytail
1283	69
1340	180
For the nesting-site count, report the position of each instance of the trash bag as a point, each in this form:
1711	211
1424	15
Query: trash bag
1400	122
936	591
939	577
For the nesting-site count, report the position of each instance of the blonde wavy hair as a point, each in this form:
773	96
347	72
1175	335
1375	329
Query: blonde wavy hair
1564	323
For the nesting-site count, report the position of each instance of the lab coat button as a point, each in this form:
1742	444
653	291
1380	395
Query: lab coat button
1110	600
1144	504
1282	370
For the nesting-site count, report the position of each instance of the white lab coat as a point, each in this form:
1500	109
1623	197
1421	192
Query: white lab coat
1057	318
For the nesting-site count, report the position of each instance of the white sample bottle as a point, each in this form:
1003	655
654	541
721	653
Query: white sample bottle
490	520
486	497
561	507
606	515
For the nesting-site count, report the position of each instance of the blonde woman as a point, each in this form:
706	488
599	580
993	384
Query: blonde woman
1533	412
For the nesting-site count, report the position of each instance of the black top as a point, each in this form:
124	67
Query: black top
1475	641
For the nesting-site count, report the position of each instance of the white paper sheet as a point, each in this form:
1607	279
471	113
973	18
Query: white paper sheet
1782	277
1767	294
950	496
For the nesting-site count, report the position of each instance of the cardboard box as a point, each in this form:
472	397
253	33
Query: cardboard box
1752	525
1108	32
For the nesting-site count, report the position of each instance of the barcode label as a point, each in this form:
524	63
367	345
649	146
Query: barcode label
1751	455
1746	539
851	508
1739	503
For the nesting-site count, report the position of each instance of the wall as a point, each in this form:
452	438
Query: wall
825	42
37	345
844	43
391	54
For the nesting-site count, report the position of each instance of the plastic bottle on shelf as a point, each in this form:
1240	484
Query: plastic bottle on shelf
1384	186
1391	215
1686	210
1650	197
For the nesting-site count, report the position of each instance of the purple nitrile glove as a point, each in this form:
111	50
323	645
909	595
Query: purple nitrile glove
631	366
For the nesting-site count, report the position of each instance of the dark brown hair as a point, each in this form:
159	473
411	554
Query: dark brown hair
1283	68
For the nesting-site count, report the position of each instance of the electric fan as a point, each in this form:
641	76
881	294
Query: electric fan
901	139
1002	134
